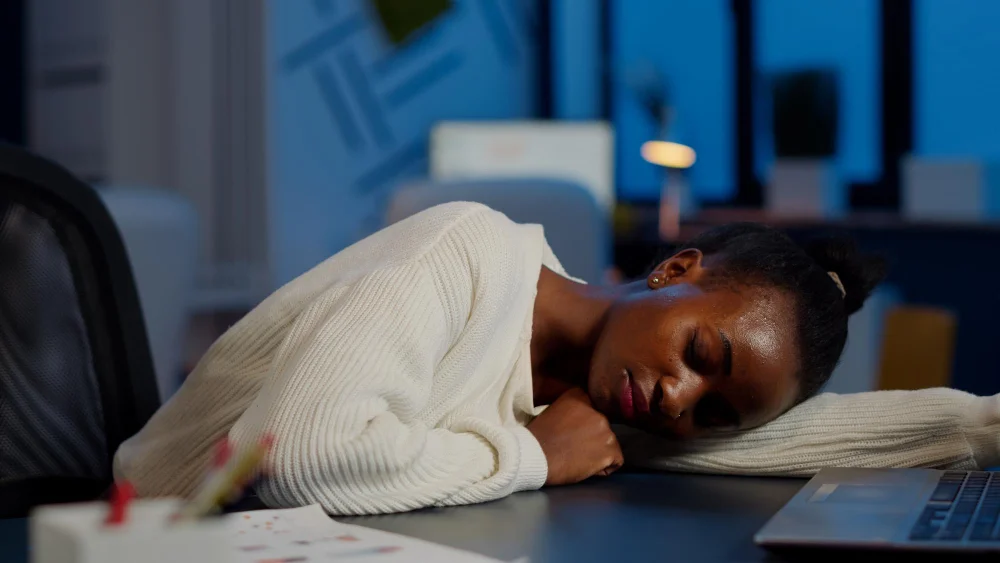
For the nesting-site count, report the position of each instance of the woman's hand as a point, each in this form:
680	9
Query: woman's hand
577	440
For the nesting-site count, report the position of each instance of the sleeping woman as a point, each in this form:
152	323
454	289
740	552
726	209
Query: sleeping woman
448	359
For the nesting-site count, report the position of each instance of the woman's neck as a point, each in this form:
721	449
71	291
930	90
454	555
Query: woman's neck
567	320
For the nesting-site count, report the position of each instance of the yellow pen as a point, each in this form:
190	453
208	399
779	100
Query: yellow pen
234	476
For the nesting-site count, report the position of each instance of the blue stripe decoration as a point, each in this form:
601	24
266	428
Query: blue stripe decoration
424	79
529	19
499	31
336	104
326	40
392	167
415	48
365	98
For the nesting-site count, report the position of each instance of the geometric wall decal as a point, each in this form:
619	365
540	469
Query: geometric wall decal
326	40
358	108
500	32
416	48
336	105
391	167
424	78
365	97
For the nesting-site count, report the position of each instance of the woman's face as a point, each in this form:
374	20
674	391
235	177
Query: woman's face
676	360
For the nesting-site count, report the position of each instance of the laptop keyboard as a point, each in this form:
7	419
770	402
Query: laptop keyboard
965	504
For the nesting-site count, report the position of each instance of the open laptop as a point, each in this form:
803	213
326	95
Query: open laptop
913	509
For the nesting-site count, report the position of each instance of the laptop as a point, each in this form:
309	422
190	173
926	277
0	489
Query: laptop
911	509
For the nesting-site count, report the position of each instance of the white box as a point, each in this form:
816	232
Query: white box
76	533
950	189
805	188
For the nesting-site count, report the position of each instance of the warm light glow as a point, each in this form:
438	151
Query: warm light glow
670	155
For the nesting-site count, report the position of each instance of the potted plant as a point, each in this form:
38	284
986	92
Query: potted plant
805	126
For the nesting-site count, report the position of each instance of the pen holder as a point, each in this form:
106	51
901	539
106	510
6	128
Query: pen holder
77	533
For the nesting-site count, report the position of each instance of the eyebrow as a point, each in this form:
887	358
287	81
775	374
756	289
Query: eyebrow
727	354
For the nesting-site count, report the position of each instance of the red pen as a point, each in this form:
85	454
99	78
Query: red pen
226	484
121	495
222	452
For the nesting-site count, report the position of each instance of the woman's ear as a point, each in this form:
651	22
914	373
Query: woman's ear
685	266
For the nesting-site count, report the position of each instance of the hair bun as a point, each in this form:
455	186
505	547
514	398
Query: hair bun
859	273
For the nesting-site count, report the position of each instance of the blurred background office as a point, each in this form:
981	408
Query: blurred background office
237	143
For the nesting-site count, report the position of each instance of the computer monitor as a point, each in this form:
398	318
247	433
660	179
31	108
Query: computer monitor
581	152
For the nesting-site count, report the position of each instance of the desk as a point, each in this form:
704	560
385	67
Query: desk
647	517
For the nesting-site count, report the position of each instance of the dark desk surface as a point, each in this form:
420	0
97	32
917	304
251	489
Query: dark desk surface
623	518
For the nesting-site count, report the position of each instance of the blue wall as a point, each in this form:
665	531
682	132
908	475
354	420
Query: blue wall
350	114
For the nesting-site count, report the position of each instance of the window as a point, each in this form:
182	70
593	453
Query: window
841	35
691	44
956	84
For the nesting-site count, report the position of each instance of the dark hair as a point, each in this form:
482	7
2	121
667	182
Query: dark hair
757	255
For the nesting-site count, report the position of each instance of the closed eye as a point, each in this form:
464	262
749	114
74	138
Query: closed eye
691	351
727	354
695	355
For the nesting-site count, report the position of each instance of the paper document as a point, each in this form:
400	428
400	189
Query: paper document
303	535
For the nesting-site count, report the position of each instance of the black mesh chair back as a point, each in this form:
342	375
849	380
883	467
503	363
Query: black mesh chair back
76	378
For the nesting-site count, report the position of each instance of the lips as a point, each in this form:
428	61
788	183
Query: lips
640	403
625	398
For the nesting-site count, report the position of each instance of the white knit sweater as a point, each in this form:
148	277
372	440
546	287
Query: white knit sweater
397	375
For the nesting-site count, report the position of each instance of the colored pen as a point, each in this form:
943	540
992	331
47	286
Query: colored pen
217	473
122	494
227	483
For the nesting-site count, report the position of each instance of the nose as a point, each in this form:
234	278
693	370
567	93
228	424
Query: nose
679	395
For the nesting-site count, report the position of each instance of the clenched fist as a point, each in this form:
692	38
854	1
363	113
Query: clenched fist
577	440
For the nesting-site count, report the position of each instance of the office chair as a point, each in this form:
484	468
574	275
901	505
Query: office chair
576	227
76	378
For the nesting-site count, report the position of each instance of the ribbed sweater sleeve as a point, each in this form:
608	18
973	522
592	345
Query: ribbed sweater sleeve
938	428
392	377
356	370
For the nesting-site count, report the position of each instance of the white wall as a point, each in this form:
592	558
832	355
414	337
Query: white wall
67	74
165	94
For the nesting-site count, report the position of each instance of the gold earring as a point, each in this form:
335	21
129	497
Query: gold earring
655	280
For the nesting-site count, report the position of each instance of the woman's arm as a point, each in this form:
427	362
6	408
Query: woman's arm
941	428
347	401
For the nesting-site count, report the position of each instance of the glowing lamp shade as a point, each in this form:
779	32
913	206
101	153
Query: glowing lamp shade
667	154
